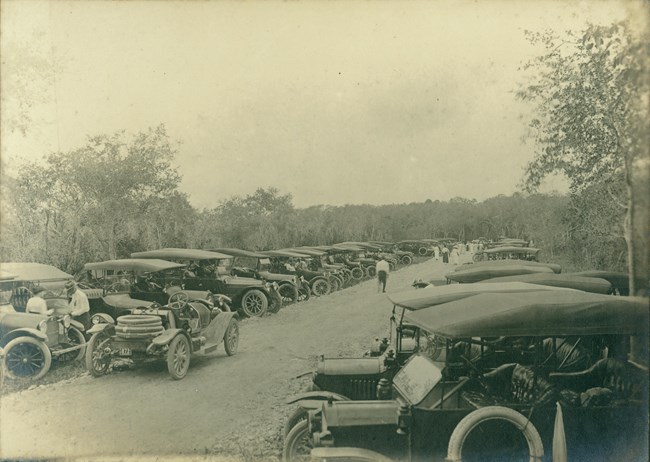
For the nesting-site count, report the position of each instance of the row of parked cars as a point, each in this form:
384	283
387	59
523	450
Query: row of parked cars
502	360
167	304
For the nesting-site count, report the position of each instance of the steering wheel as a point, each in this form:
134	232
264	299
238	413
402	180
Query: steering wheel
178	300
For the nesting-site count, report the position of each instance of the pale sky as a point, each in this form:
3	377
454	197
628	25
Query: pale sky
333	102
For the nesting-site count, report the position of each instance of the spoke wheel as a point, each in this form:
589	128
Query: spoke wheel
320	287
231	338
335	283
27	358
297	444
357	273
99	354
371	271
178	357
289	293
407	260
75	338
254	303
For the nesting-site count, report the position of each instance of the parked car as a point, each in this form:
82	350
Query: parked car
501	404
477	272
320	281
418	247
170	333
258	266
116	287
508	252
357	378
31	341
21	278
209	271
567	280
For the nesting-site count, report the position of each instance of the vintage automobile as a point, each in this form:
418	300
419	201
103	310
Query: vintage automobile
171	333
567	280
508	252
208	271
256	265
357	378
31	341
23	277
492	263
115	287
476	273
419	247
500	404
320	281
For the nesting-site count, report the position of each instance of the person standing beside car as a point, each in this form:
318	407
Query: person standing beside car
79	306
36	304
383	268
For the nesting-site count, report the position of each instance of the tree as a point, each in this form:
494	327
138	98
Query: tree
591	93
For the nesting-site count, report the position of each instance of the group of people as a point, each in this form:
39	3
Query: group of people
77	302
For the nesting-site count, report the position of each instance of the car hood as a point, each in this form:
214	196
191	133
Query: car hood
242	281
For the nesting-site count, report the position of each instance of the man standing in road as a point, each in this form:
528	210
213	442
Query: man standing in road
383	268
79	306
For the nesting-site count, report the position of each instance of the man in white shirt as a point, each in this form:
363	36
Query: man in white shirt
36	304
79	306
383	268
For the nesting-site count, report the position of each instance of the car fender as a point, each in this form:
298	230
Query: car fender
316	397
167	336
100	328
23	331
104	318
76	324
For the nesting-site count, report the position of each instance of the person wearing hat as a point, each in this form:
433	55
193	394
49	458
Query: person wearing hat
79	306
36	304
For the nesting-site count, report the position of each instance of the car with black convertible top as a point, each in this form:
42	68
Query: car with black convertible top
481	401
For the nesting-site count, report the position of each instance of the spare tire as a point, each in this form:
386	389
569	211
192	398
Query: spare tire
474	419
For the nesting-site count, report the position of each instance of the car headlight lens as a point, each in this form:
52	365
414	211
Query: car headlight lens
42	326
66	320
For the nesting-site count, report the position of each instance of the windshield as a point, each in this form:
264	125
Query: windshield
416	379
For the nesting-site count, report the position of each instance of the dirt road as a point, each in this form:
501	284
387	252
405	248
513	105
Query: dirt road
226	406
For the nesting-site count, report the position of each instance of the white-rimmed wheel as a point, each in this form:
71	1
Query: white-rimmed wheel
98	354
254	303
178	357
297	444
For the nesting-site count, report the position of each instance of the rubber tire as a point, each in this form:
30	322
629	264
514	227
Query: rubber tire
233	328
335	283
81	340
475	418
326	287
477	257
138	320
296	416
406	260
294	436
290	293
138	329
178	342
263	301
371	271
275	303
422	251
90	347
357	273
305	292
44	350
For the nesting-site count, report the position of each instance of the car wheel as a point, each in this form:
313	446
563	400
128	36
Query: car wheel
335	283
305	292
275	302
289	293
422	251
27	358
477	257
75	338
254	303
98	354
371	271
231	338
297	444
178	357
357	273
320	287
298	415
406	260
